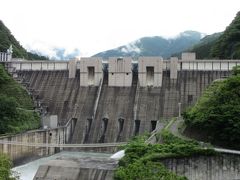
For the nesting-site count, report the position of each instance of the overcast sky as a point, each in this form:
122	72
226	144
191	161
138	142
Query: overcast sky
96	25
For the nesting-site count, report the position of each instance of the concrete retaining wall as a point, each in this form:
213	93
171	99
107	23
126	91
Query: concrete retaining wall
221	167
19	154
75	169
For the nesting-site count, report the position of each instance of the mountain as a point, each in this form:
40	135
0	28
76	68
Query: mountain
203	48
223	45
155	46
7	39
228	44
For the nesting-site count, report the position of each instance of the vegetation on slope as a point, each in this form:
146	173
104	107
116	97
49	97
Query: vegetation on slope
225	45
5	168
143	161
217	112
203	48
228	44
7	39
16	106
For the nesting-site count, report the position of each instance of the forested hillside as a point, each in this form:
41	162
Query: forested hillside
216	115
225	45
16	106
203	48
7	39
228	44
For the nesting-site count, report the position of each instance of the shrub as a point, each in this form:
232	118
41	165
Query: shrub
217	112
5	168
143	161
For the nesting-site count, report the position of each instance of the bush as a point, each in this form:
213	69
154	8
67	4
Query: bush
143	161
217	112
5	168
16	107
236	70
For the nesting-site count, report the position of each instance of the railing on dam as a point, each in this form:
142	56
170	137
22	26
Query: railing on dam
53	145
207	65
39	65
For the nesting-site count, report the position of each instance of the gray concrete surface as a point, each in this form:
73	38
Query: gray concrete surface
118	107
221	167
77	169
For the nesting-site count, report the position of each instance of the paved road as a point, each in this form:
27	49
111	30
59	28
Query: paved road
173	128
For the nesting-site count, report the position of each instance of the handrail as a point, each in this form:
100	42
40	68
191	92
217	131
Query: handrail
60	145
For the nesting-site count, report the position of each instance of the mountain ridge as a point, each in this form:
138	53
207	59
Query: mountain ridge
7	39
155	46
222	45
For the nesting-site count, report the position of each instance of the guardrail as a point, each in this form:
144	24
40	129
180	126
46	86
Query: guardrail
97	145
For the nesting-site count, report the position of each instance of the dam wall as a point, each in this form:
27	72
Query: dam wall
20	154
121	112
113	101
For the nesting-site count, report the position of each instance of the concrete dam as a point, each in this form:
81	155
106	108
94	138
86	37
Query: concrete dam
115	100
95	101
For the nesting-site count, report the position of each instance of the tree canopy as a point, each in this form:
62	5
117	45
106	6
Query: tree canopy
228	44
217	112
16	106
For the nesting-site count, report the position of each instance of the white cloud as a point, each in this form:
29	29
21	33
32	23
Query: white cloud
52	51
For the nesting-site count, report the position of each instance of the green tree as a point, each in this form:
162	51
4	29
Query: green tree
143	161
217	112
8	109
16	106
7	39
228	44
5	168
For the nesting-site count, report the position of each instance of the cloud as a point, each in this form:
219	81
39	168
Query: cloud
53	52
131	47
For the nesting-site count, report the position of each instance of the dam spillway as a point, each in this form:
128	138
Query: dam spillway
122	112
115	100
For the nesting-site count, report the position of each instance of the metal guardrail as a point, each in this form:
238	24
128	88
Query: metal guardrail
97	145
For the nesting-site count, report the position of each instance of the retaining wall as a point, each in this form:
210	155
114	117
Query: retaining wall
220	167
20	154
